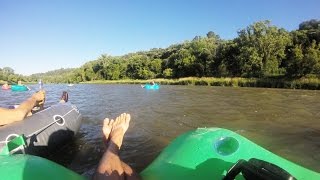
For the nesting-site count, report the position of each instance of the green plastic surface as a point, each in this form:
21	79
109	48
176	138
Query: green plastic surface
208	153
15	143
28	167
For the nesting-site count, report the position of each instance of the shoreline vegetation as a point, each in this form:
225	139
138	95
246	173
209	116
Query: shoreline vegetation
302	83
310	83
262	55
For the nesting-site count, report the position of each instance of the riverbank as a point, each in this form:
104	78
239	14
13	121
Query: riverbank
303	83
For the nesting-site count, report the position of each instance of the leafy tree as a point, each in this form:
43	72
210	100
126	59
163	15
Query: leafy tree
204	49
115	70
213	35
139	67
301	63
312	57
7	70
262	47
311	31
167	73
227	62
303	56
156	67
310	25
183	63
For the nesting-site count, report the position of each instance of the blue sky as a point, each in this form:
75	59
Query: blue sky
43	35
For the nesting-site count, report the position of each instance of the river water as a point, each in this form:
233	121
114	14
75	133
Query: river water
283	121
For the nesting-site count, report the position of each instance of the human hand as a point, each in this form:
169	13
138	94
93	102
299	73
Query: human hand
39	96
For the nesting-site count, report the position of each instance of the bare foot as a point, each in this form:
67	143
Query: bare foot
120	126
106	129
64	97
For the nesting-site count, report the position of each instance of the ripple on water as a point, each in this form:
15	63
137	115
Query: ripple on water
283	121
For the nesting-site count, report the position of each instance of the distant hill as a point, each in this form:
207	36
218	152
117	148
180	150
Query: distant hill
56	76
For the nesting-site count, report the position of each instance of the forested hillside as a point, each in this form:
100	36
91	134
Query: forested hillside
7	74
56	76
260	50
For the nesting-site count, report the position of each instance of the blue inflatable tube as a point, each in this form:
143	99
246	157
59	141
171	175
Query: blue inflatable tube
149	86
19	88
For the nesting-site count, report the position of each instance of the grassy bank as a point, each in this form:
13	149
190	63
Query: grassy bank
303	83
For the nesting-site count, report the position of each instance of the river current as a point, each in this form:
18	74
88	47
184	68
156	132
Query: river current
283	121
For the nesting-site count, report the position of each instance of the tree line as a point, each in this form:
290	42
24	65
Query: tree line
260	50
7	74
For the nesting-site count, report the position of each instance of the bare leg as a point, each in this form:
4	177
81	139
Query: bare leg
110	166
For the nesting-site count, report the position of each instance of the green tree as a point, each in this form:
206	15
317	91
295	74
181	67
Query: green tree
301	63
262	48
309	31
7	70
167	73
227	61
139	67
204	49
302	57
115	70
183	63
156	67
310	25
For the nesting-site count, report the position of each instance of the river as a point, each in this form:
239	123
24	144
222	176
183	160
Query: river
283	121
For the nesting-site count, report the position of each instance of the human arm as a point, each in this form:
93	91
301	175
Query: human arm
8	116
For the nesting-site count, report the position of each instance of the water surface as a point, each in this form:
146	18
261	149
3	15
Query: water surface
283	121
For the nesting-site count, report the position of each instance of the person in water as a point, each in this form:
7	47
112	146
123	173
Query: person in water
151	84
20	84
20	112
6	85
110	165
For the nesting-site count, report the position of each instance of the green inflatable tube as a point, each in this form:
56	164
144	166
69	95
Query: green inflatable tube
208	153
205	153
28	167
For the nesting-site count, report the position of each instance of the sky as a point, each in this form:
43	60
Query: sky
43	35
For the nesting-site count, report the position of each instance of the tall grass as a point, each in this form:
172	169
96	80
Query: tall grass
303	83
